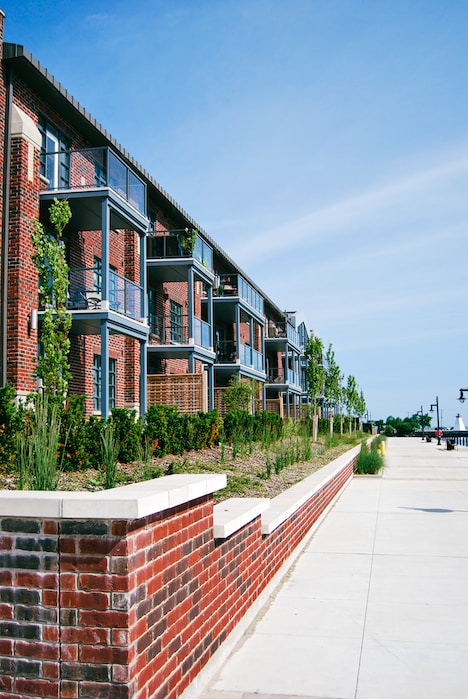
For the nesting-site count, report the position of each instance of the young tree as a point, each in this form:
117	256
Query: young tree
350	397
49	259
333	379
315	371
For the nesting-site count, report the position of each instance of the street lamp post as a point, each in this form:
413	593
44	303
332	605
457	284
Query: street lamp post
461	397
420	412
436	406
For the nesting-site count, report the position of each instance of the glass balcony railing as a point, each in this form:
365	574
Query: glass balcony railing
235	285
250	357
226	352
176	244
202	333
85	292
279	376
174	330
283	331
91	168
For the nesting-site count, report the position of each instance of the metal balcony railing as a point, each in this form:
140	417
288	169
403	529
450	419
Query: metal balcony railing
174	330
250	357
283	331
279	376
85	292
92	168
176	244
226	352
235	285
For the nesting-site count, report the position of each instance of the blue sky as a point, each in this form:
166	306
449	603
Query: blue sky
322	143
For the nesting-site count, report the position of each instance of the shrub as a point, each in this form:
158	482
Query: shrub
129	434
369	460
38	446
73	449
10	424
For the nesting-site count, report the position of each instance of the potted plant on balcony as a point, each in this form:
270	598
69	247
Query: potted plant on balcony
189	240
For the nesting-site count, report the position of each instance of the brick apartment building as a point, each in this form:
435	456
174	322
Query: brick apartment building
160	313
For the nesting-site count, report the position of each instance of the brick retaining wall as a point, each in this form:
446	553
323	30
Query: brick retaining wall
126	593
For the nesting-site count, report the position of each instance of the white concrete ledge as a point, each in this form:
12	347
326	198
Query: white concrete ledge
231	515
287	503
126	502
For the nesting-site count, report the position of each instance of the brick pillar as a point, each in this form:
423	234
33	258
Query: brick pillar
22	274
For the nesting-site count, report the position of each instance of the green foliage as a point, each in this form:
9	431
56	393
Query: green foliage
93	429
369	460
109	454
49	259
74	455
333	379
315	371
238	394
129	433
38	446
10	424
396	426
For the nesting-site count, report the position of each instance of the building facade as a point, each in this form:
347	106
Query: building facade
160	313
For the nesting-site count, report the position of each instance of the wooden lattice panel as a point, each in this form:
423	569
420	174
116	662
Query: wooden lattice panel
185	391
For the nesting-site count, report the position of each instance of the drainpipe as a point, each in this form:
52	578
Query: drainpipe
6	224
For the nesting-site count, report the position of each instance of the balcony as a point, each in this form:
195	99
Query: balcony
251	357
283	331
283	378
93	168
235	285
84	293
174	330
170	244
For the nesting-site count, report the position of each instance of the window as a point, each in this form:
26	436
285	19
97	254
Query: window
176	321
97	383
97	275
97	281
55	155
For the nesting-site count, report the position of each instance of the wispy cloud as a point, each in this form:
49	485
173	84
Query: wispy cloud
359	210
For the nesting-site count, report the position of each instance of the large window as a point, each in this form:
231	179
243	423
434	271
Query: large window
176	321
97	383
55	155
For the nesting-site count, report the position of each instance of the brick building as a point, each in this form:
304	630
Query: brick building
160	313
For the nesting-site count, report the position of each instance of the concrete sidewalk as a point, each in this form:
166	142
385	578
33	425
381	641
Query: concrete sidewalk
376	606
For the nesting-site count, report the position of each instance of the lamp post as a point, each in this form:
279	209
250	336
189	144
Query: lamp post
436	406
461	397
420	412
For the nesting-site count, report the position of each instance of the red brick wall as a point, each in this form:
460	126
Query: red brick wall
131	609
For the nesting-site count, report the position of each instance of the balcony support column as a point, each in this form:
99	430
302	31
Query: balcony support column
191	303
143	377
105	233
104	369
237	348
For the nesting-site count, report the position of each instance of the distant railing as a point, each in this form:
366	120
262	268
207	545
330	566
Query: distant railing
250	357
174	330
283	330
226	352
177	244
85	292
235	285
90	168
279	376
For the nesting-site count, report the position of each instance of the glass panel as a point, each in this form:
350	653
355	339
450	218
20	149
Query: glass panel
117	175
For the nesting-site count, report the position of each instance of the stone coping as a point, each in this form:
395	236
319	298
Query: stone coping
143	499
287	503
231	515
130	502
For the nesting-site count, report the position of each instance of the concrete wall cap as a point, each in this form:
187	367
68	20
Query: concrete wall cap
126	502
